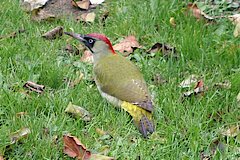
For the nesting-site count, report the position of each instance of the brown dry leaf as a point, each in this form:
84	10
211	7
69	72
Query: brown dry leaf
13	34
167	50
20	114
172	21
53	33
78	111
87	57
127	45
74	148
199	89
225	85
77	80
71	49
232	131
188	82
34	87
22	133
41	15
197	13
83	4
87	17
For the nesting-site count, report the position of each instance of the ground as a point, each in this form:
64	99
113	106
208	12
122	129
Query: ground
184	129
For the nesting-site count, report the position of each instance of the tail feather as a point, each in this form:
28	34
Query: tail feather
142	118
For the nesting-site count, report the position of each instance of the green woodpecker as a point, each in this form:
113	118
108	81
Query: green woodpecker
119	80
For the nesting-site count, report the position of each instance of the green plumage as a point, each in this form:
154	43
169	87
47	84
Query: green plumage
120	78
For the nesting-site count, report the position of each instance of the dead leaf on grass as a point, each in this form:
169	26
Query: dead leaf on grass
34	87
167	50
13	34
53	33
127	45
30	5
188	82
75	149
87	57
20	134
78	112
231	131
41	15
87	17
224	85
82	4
197	13
198	90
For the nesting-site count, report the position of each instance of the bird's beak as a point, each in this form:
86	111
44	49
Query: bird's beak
75	35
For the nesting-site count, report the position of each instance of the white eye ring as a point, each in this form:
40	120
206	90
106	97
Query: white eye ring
90	41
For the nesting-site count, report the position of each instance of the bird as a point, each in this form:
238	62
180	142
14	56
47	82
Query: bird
119	81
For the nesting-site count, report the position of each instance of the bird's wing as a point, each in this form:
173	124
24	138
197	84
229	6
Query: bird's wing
119	78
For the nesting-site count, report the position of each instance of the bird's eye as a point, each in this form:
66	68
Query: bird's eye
90	41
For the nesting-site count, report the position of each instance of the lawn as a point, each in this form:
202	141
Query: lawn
184	128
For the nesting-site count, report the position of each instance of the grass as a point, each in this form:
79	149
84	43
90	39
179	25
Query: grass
184	129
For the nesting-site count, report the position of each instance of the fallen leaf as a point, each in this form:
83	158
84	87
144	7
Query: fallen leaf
83	4
87	57
30	5
87	17
77	80
167	50
196	12
20	134
74	148
96	1
172	21
53	33
188	82
71	49
20	114
127	45
199	89
225	85
13	34
78	112
34	87
41	15
232	131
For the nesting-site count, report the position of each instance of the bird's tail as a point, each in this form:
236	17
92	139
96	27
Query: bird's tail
142	118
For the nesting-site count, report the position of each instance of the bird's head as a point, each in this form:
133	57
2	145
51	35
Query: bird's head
97	43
